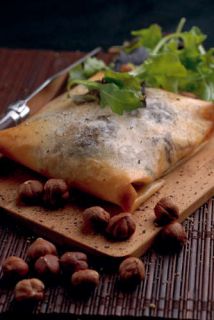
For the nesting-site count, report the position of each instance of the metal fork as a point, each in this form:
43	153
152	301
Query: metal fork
18	111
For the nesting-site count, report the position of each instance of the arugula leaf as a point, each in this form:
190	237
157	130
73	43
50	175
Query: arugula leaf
76	73
178	62
190	55
202	81
147	37
119	100
89	84
163	70
121	92
91	66
122	79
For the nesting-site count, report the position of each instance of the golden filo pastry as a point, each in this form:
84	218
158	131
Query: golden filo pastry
121	159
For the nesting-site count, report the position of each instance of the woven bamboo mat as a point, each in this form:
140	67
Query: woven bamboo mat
175	287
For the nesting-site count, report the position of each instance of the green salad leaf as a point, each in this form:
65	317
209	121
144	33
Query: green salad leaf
93	65
148	37
119	91
177	62
163	70
84	71
122	80
120	100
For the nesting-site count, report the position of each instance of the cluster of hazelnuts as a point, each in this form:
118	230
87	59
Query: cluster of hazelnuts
42	255
119	227
54	193
172	235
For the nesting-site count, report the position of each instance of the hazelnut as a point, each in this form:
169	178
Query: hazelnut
30	191
73	261
85	280
114	50
47	265
166	211
126	67
171	238
131	271
29	289
15	267
55	193
41	247
96	217
121	226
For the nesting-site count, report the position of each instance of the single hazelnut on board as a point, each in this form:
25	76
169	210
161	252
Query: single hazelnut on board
96	217
29	289
41	247
56	193
85	280
131	271
73	261
31	191
47	266
121	226
165	211
171	238
15	267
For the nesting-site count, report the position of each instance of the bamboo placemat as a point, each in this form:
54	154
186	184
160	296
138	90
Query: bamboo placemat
175	287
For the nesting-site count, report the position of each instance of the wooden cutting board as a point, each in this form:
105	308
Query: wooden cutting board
190	185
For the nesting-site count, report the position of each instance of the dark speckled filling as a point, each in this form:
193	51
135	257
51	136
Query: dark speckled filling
159	112
85	140
169	147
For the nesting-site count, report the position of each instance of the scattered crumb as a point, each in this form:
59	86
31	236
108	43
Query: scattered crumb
190	219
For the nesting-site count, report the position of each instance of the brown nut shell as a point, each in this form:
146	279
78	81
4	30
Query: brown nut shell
31	192
126	67
29	289
171	238
121	226
165	211
96	217
15	267
47	266
73	261
131	271
41	247
56	193
85	280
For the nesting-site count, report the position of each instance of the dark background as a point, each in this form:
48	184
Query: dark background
83	25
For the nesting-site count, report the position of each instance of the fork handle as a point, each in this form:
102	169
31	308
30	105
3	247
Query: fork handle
17	112
9	120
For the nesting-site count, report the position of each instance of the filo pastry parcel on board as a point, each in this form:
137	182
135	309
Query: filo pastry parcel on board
118	158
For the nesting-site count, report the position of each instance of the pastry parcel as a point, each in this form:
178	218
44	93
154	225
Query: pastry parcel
121	159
